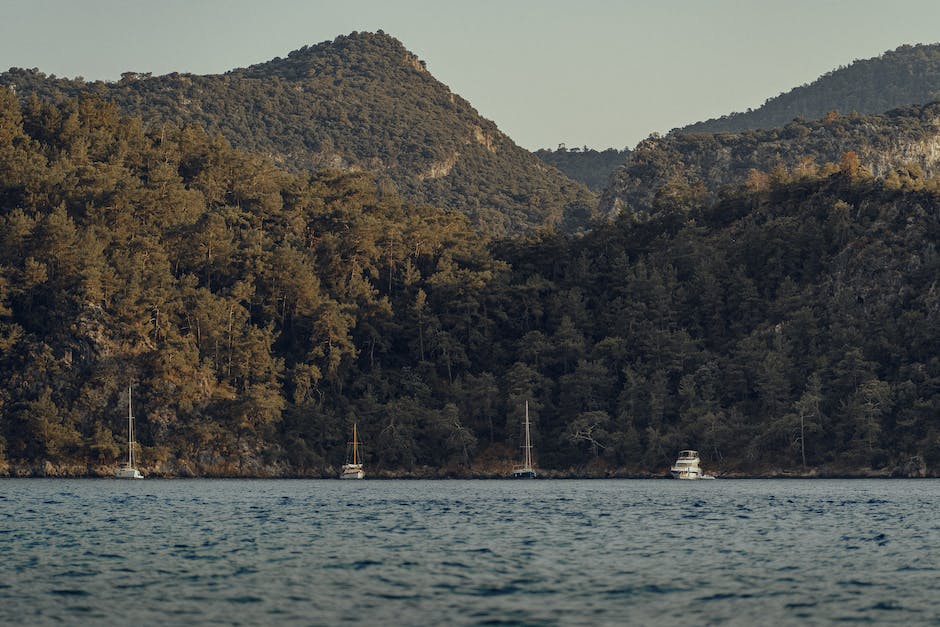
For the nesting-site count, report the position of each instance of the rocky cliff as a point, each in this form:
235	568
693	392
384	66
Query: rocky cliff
698	165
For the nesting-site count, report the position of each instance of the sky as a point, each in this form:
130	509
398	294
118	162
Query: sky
594	73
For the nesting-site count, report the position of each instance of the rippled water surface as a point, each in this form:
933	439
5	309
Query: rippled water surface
469	552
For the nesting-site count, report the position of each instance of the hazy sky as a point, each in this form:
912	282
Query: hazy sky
600	73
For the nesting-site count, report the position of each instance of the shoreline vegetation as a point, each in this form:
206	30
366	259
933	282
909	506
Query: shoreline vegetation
49	470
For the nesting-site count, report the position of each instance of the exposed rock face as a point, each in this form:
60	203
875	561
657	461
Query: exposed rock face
483	138
915	467
703	163
440	169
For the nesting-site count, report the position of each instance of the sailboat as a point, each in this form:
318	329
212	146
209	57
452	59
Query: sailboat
353	470
130	470
526	471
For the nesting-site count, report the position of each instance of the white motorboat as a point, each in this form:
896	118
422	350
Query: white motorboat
526	470
129	471
688	466
353	470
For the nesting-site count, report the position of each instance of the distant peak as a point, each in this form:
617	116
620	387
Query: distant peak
353	52
909	74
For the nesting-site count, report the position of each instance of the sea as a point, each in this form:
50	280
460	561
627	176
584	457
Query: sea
450	552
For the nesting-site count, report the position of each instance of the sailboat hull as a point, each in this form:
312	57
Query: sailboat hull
352	471
523	473
128	473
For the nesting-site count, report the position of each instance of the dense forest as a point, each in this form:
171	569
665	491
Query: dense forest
702	164
789	324
585	165
905	76
362	102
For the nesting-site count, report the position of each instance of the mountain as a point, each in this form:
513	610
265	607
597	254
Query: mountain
585	165
662	171
905	76
362	102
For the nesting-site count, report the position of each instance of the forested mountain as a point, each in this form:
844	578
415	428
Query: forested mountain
909	75
694	167
906	76
359	103
585	165
790	325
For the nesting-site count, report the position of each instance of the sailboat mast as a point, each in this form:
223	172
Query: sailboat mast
355	446
528	443
130	430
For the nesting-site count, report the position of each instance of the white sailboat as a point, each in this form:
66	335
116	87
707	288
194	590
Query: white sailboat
353	470
526	471
130	470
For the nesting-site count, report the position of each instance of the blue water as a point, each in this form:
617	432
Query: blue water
469	552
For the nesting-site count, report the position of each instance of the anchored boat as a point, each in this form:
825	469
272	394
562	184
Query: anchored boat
353	470
526	470
129	471
688	466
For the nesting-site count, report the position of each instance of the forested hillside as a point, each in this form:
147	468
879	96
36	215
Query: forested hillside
360	103
694	167
248	307
585	165
790	325
906	76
